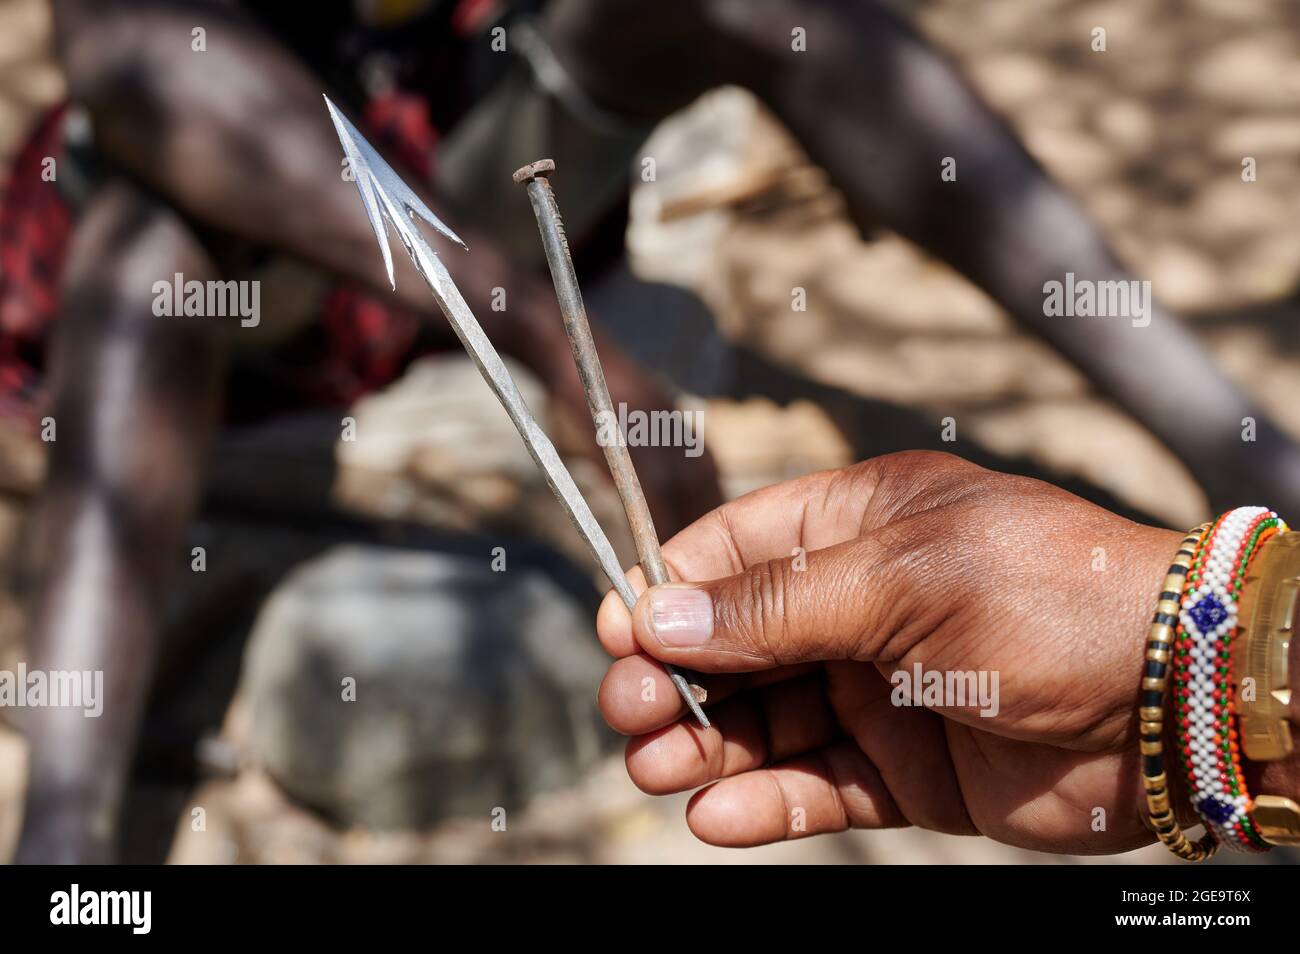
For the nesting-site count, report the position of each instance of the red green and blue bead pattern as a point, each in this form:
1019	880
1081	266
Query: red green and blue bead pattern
1203	687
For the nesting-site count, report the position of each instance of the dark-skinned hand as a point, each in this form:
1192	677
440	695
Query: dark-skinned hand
820	588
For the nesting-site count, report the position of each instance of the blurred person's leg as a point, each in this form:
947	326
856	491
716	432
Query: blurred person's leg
879	108
135	402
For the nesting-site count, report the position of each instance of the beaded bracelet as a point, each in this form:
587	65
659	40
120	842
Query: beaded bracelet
1151	712
1203	687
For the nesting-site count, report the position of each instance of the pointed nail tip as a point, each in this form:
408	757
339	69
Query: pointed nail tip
695	709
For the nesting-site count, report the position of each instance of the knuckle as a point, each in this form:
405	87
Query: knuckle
758	618
909	481
915	461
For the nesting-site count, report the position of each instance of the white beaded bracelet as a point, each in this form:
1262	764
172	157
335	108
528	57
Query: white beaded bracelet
1203	689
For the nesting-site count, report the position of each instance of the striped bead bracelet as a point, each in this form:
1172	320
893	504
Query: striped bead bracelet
1151	714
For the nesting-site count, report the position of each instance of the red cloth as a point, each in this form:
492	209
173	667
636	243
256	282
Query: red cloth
35	227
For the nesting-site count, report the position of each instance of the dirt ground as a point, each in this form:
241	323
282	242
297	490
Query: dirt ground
1148	135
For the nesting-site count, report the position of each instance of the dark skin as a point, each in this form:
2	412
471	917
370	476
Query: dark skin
115	509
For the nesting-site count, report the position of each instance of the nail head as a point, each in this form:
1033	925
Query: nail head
539	169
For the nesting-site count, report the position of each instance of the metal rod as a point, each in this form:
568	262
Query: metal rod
542	198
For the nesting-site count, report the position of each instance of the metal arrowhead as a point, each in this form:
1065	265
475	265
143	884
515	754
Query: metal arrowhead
384	194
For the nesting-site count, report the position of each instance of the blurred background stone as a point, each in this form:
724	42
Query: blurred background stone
395	689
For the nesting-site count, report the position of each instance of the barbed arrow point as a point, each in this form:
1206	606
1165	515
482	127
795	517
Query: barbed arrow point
384	194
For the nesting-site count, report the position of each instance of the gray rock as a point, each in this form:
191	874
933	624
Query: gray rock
474	689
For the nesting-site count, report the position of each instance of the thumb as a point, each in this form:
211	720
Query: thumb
824	605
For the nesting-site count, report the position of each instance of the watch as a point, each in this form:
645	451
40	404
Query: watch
1270	597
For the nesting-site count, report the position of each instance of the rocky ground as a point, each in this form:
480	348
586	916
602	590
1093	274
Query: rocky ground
1149	137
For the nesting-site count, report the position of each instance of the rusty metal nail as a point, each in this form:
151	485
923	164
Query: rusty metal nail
556	245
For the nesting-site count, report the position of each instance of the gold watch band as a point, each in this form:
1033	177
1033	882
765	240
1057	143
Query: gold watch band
1277	819
1270	597
1260	655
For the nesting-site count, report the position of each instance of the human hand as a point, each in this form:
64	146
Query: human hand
909	559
